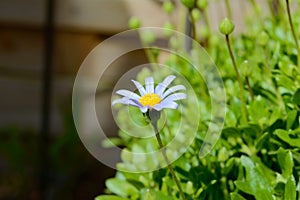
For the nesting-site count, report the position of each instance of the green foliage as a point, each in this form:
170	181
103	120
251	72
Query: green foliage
121	188
168	6
188	3
257	160
109	197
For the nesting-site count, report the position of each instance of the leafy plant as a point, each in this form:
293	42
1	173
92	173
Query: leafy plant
257	155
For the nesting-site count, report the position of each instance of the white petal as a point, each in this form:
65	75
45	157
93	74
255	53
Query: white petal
140	88
160	88
157	107
149	82
144	109
117	101
126	101
172	90
170	104
174	97
129	94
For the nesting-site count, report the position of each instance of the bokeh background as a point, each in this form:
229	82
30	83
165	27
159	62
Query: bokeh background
42	45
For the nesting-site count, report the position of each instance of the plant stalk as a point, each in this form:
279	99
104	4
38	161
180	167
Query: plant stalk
278	95
206	20
228	9
293	30
242	98
257	11
193	24
249	88
157	134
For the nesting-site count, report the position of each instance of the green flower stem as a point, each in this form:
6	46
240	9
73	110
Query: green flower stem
193	24
271	8
169	129
242	98
278	96
157	134
293	30
206	20
267	61
228	9
249	88
257	11
149	54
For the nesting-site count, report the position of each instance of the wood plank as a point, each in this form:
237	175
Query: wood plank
110	16
105	16
21	52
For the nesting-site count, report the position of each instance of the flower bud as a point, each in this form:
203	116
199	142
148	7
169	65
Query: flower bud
147	36
134	23
204	32
202	4
196	14
188	3
226	26
263	39
168	7
174	43
168	29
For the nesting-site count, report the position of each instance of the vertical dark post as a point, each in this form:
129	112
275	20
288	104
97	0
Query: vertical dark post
188	32
46	97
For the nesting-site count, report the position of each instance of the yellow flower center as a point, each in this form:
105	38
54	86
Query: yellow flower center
149	100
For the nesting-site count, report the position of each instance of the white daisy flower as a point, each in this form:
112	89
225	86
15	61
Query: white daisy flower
156	98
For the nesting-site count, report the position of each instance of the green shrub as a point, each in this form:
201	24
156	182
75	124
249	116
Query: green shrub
257	158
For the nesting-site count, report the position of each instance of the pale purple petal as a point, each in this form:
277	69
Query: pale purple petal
157	107
140	88
126	101
172	90
174	97
160	88
170	104
144	109
118	101
129	94
149	82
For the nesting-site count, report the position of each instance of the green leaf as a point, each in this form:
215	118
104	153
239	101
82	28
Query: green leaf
111	142
258	111
121	187
261	141
256	183
291	117
189	188
276	114
110	197
290	189
244	186
268	173
298	186
279	188
286	162
158	175
223	154
236	196
291	138
296	97
149	194
231	132
285	81
230	163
